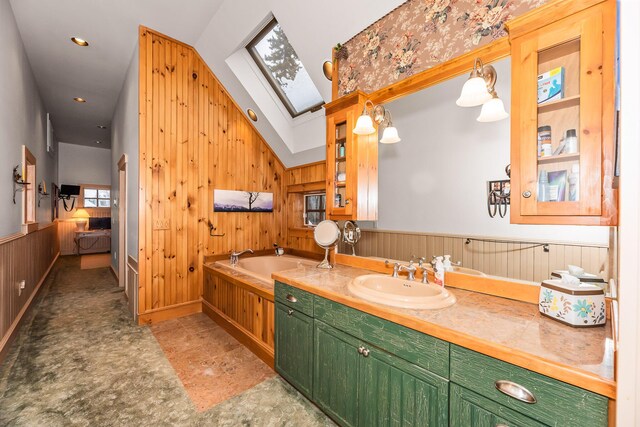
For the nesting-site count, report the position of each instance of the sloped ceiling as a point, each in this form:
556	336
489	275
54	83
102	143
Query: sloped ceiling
216	28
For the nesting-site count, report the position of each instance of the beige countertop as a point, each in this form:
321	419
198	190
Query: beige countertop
509	330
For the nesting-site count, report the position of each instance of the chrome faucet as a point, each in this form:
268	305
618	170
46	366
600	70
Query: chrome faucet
236	255
425	274
410	269
278	249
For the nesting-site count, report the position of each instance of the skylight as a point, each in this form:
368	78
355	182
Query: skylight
282	68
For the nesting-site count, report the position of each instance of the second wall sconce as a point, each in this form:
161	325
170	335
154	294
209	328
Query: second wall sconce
479	89
378	114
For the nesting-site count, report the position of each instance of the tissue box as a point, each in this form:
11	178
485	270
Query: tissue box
551	85
579	305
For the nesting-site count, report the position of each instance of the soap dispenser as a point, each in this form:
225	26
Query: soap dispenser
447	263
438	271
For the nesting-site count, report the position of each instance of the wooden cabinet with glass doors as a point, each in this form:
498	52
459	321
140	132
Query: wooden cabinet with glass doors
352	163
562	128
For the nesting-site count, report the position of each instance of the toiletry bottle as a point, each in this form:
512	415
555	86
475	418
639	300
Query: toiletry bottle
572	141
341	150
438	271
574	183
447	263
543	186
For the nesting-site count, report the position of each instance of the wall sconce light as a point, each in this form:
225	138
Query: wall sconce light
370	114
390	134
479	89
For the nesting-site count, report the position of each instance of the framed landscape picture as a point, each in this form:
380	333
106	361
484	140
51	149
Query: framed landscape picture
242	201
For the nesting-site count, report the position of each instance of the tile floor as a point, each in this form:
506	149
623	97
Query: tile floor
211	364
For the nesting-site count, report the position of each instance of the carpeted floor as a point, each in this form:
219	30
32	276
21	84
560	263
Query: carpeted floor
79	361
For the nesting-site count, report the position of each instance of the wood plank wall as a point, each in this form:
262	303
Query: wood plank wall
23	257
515	260
301	179
67	227
193	139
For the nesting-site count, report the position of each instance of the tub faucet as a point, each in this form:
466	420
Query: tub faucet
236	255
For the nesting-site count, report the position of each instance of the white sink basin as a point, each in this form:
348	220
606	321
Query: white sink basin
399	292
465	270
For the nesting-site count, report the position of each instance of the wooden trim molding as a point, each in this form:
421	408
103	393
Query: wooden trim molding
539	17
171	312
258	348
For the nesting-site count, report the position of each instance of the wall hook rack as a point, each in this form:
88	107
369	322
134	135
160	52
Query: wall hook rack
211	231
18	183
41	194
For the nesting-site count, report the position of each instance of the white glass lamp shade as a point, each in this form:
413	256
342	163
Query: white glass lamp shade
364	125
474	93
390	135
492	111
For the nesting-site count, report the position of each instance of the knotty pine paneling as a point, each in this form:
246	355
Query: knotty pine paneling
194	139
23	257
298	236
516	260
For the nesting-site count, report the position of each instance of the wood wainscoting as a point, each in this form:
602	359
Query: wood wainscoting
245	311
132	287
194	138
23	257
512	258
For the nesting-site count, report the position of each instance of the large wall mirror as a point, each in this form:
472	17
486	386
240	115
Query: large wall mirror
433	194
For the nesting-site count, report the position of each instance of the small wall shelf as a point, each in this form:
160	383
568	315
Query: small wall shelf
18	183
559	158
570	101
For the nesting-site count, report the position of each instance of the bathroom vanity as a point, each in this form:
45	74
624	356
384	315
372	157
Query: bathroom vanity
485	361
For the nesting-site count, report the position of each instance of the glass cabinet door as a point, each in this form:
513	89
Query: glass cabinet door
558	77
339	156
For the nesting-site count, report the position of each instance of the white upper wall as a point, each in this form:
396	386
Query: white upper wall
22	122
84	165
124	140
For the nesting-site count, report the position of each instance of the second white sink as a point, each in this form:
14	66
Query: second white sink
399	292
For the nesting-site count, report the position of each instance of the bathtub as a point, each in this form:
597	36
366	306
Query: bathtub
261	267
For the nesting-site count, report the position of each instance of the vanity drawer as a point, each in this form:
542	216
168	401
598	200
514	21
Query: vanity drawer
556	403
415	347
294	298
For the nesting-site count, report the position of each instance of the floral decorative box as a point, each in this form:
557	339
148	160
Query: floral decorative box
579	305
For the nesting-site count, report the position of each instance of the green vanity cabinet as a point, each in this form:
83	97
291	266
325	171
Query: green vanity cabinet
469	409
335	373
358	384
363	370
294	347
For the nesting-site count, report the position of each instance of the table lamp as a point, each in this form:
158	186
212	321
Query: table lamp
82	219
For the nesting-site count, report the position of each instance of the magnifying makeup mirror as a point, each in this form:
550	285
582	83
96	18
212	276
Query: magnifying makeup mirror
326	235
351	235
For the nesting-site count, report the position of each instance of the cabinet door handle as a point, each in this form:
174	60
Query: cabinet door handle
360	349
291	298
526	194
365	352
289	312
347	201
516	391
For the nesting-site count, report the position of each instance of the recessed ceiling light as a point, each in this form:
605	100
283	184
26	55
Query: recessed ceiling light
102	127
98	142
252	115
78	99
79	41
327	69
